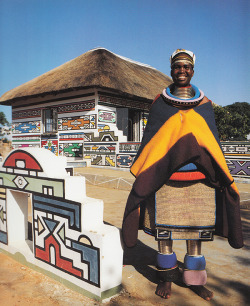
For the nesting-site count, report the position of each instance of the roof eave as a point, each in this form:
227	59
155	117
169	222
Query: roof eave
11	102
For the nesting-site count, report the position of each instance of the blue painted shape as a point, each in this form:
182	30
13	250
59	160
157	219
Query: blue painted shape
3	237
166	261
67	209
90	255
124	160
50	224
196	263
25	127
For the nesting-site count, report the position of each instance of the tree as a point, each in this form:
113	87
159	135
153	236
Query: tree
233	121
3	120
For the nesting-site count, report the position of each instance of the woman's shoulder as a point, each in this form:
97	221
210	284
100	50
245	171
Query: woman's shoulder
205	100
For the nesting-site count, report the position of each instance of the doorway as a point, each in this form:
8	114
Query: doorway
19	219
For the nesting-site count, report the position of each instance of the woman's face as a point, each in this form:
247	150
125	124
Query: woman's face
182	74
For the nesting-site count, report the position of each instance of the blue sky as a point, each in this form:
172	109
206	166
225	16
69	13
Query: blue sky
39	35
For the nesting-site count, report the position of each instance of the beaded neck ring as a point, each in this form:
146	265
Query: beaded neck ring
176	101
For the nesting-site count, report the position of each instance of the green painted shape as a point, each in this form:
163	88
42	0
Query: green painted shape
26	140
61	233
34	184
70	149
104	295
1	214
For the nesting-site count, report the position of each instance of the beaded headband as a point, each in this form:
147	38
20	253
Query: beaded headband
182	55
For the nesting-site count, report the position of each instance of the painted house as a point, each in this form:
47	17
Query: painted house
93	108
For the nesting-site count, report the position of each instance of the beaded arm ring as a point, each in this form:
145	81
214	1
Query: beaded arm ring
199	95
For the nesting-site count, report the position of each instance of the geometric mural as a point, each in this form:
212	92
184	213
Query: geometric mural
106	116
51	145
77	123
26	127
68	237
124	160
76	107
26	138
238	166
52	219
27	113
3	221
100	154
71	136
236	148
144	122
129	147
71	149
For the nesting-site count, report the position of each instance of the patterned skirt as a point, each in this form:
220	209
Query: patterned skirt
181	210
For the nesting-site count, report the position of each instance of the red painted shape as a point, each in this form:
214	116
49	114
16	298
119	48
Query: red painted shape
187	176
61	263
30	162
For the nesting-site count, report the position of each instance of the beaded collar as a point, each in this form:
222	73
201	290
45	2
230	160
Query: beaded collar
176	101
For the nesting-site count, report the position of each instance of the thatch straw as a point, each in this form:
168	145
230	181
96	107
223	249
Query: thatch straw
98	68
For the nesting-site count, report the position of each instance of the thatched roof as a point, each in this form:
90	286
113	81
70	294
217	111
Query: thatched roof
98	68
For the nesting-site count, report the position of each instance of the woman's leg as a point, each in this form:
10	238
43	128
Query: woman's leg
195	274
167	269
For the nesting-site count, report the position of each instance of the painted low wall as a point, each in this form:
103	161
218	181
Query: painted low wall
237	155
48	223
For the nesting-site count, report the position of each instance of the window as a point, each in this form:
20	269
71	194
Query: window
50	120
48	190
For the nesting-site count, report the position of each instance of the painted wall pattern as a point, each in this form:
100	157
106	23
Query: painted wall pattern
124	160
103	127
233	148
61	241
26	138
23	145
101	122
71	149
101	154
28	113
76	107
50	144
239	166
26	127
76	136
144	121
237	155
77	123
3	218
106	116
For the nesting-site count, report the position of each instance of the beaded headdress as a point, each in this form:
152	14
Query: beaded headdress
182	55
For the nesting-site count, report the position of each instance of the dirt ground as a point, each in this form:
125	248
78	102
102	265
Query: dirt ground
228	273
228	276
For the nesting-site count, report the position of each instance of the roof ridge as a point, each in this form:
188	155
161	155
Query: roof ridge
123	57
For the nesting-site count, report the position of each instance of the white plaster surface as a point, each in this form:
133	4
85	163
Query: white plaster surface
94	232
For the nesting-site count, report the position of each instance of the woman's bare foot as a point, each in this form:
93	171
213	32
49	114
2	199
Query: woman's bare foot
202	292
164	290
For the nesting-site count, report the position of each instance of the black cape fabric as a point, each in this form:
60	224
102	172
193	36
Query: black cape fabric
172	139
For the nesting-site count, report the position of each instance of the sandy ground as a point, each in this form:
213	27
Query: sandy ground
228	269
228	274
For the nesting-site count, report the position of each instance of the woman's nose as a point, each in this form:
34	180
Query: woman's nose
182	69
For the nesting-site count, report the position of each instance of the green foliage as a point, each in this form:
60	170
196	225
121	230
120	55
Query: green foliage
3	119
233	121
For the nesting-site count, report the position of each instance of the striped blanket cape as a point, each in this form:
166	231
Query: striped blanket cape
172	139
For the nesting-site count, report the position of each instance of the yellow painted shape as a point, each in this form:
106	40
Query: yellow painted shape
110	161
179	125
